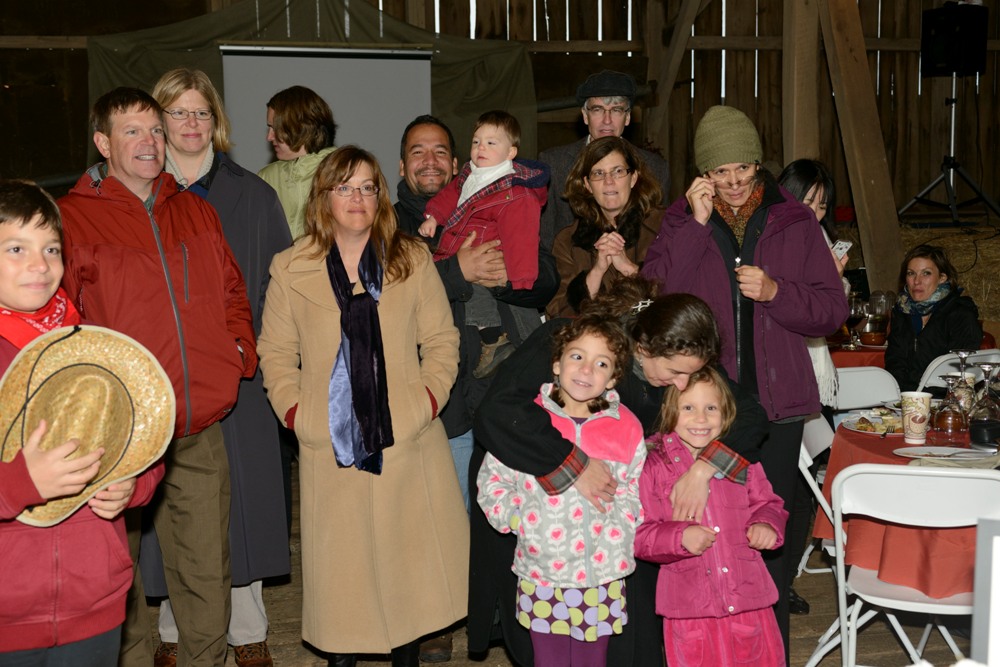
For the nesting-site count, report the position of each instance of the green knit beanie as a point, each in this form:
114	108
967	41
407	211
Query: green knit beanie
724	136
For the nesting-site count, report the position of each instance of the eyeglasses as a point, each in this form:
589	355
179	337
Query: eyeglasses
184	114
725	177
616	112
618	173
348	190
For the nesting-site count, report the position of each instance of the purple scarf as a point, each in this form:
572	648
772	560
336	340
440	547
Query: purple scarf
360	424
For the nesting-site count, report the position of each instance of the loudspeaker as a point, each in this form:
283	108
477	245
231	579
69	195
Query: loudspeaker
953	40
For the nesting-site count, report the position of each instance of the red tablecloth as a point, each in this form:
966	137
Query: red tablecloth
901	555
863	356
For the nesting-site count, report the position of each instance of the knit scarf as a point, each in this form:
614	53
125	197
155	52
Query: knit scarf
737	220
918	309
22	328
360	424
480	177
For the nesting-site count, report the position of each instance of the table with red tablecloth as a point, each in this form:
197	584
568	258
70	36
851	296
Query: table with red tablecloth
900	555
863	356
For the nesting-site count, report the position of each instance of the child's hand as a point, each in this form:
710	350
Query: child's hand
52	473
761	536
697	539
428	227
112	499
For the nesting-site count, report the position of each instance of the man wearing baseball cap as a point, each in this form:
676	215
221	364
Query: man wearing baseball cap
606	104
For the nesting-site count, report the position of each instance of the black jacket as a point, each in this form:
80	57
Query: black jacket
953	325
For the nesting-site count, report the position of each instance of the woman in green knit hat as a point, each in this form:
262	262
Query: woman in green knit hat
756	255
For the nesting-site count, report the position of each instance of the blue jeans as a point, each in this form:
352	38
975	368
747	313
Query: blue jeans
461	453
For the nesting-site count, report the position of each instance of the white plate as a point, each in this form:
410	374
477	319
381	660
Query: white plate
954	453
851	424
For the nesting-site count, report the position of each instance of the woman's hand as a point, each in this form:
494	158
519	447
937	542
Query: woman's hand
761	536
840	262
700	198
755	284
610	246
697	539
690	493
596	484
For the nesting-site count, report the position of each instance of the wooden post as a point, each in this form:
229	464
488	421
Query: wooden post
799	76
864	146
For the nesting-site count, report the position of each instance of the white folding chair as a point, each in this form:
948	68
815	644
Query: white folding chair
927	497
948	363
817	436
865	386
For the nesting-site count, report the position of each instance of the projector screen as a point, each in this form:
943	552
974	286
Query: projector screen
373	93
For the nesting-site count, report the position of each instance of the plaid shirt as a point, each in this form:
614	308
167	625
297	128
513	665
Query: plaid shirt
728	463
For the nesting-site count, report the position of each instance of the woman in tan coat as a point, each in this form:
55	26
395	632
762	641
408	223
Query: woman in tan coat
613	197
384	528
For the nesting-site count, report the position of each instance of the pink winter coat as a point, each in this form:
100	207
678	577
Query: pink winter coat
729	578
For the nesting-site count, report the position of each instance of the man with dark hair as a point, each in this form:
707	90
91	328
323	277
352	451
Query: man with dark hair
427	163
606	104
150	261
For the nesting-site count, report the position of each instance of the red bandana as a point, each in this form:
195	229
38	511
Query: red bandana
22	328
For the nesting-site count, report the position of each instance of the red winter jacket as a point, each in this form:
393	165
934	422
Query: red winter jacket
63	583
167	278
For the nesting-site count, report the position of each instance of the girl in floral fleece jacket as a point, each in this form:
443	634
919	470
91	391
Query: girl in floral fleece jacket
571	559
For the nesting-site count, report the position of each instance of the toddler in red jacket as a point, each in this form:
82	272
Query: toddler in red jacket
62	600
493	198
713	590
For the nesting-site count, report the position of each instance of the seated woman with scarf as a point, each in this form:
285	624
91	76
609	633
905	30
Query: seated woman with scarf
931	317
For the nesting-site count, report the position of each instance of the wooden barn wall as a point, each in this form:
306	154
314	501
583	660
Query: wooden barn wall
43	90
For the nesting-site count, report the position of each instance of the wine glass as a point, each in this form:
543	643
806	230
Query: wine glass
950	419
964	392
988	406
858	310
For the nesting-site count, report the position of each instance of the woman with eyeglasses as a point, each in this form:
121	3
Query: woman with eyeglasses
301	130
197	138
614	200
359	353
756	255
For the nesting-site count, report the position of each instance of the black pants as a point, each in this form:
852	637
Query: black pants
780	459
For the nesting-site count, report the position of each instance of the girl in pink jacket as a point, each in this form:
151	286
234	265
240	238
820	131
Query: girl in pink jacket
713	591
571	559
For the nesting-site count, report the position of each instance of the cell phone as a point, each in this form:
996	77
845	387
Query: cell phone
840	248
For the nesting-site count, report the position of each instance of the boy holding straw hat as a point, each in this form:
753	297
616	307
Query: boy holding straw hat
65	552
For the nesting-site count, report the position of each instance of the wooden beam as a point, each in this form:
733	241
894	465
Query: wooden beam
864	145
42	42
416	14
585	46
799	77
666	68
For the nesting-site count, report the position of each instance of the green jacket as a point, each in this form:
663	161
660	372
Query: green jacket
291	179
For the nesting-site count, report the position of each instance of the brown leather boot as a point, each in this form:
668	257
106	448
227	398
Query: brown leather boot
165	655
437	649
253	655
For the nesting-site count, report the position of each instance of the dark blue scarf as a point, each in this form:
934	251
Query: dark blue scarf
360	424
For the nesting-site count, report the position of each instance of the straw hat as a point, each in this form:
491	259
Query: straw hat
98	386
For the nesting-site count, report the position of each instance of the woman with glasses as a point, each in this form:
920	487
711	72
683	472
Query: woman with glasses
756	255
197	138
359	353
301	130
614	200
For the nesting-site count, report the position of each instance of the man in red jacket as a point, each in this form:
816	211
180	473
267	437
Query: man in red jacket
152	262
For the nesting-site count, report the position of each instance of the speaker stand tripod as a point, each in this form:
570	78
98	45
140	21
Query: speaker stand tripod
950	167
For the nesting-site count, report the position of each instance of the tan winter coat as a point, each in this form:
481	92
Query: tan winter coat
384	557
